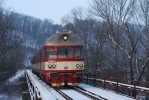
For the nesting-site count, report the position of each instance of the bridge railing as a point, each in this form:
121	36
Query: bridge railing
118	83
33	90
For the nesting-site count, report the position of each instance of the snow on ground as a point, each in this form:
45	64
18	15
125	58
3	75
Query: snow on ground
45	93
122	84
3	97
110	95
75	95
52	91
48	93
6	97
19	74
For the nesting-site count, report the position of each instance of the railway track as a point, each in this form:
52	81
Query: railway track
63	94
89	94
79	90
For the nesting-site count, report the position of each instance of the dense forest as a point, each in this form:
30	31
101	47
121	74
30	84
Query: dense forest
20	37
115	34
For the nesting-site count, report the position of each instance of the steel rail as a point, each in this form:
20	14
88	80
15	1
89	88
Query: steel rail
89	94
63	94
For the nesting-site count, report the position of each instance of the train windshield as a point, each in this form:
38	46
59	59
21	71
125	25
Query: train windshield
78	52
64	52
51	53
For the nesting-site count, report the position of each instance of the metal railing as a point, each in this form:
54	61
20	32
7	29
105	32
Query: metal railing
33	90
118	83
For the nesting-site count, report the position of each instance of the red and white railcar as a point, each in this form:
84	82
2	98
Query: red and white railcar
60	61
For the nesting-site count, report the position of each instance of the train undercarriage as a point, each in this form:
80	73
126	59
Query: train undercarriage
56	79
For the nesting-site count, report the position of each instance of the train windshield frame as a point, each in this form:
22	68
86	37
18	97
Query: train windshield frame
64	52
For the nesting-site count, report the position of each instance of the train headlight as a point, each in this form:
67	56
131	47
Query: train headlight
78	66
54	66
50	66
65	37
81	65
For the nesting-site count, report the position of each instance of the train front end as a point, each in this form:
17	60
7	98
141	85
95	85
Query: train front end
64	62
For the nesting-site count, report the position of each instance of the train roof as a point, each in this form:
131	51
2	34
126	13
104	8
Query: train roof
63	38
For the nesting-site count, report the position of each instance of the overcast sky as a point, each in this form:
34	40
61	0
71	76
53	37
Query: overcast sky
53	9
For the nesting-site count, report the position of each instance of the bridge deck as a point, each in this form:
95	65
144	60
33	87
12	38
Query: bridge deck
39	89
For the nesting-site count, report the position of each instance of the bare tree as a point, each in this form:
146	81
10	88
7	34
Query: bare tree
144	15
5	27
118	14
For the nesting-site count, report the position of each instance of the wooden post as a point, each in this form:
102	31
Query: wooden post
117	85
87	78
134	93
94	80
104	84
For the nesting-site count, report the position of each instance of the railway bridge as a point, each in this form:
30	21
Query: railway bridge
39	90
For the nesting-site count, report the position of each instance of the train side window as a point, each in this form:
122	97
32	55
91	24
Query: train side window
78	52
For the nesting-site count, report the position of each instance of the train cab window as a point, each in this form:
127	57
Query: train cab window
65	52
51	53
78	52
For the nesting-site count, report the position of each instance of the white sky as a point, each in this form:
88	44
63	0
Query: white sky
52	9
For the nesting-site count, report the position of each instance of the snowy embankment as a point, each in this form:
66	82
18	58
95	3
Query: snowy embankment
17	76
110	95
7	88
15	79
